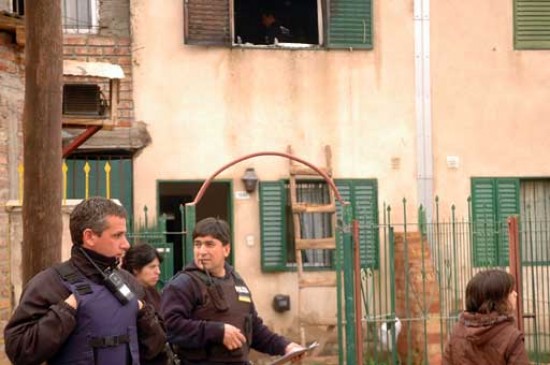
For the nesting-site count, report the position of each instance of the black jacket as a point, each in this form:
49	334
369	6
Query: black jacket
180	299
42	321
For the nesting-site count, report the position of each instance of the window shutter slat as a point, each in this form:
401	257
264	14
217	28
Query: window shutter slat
483	225
207	22
532	24
362	194
273	225
350	24
507	205
366	211
345	193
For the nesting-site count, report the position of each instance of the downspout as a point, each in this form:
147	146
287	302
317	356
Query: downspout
423	104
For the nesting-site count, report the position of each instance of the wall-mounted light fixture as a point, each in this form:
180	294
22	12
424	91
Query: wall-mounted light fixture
250	180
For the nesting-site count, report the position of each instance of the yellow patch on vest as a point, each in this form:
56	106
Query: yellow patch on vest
244	298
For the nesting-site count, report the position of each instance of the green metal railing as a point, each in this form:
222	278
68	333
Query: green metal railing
155	234
413	300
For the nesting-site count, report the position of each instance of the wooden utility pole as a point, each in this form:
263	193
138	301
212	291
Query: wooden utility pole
42	225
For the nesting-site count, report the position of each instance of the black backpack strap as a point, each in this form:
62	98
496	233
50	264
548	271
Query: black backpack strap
212	287
199	275
70	274
238	279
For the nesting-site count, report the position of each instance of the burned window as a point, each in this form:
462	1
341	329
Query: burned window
288	21
285	23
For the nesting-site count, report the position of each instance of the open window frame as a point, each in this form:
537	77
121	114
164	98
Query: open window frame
344	24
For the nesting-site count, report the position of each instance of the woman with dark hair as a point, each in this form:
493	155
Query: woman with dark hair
486	333
143	261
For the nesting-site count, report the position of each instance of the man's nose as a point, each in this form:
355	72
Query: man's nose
125	244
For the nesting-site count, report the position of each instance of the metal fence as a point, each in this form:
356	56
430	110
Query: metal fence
413	299
155	233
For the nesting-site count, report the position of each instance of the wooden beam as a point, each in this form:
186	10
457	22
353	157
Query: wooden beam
313	208
328	243
300	170
15	25
81	122
113	105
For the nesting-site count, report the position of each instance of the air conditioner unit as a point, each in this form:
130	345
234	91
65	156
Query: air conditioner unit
83	100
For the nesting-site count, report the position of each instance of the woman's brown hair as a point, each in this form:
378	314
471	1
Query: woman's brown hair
488	291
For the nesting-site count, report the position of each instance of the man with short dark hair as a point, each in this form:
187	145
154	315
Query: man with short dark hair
208	310
271	31
84	310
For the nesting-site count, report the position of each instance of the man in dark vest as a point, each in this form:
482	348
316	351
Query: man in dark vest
208	310
86	311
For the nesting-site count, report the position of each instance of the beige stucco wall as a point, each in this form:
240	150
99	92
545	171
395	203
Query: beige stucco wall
206	106
490	102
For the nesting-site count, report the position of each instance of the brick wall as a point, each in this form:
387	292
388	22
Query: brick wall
422	296
112	45
11	115
112	49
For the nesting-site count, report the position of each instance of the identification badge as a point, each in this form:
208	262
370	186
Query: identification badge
244	294
242	289
245	298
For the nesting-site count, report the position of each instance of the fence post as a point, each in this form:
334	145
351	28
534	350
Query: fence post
349	293
357	288
190	221
515	266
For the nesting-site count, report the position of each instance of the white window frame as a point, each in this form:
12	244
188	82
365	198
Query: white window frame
94	26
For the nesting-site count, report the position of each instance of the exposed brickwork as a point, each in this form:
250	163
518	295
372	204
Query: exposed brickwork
423	292
11	114
113	45
115	50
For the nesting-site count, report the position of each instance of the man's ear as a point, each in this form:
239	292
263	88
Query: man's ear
87	238
227	250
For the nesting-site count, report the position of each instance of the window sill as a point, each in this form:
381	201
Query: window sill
284	46
83	31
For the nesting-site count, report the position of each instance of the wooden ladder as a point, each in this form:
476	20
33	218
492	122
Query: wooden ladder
300	173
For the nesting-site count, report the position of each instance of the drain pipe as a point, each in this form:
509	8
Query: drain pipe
423	104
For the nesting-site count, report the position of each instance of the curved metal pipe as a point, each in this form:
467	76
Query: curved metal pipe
267	153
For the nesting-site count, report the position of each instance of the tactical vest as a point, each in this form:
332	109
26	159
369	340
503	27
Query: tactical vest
105	330
228	301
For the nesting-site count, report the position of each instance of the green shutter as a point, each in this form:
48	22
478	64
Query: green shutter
345	192
350	24
493	201
365	209
207	22
532	24
483	225
273	225
362	194
507	205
